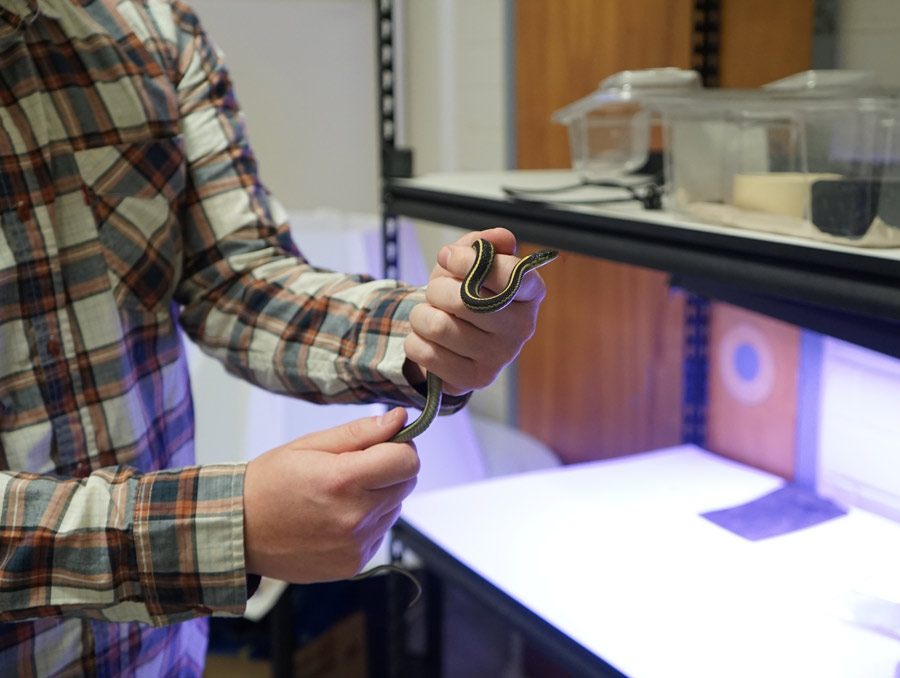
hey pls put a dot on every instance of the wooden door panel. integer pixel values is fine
(602, 375)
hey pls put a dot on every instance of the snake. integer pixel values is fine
(470, 293)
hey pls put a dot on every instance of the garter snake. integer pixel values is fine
(471, 298)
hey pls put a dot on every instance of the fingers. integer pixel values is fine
(312, 515)
(443, 294)
(379, 531)
(445, 332)
(468, 349)
(382, 466)
(385, 523)
(458, 373)
(503, 240)
(358, 434)
(504, 243)
(366, 460)
(464, 354)
(457, 260)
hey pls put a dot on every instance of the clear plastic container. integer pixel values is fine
(822, 166)
(610, 129)
(816, 155)
(820, 79)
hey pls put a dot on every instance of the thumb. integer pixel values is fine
(351, 436)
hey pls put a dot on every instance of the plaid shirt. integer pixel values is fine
(130, 205)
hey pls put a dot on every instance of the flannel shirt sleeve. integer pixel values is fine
(249, 298)
(127, 570)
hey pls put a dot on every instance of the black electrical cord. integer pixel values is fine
(648, 194)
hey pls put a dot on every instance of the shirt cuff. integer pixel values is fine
(189, 542)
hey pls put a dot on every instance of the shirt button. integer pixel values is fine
(82, 469)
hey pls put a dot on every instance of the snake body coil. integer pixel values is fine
(470, 294)
(469, 291)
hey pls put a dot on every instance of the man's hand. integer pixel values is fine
(317, 508)
(465, 349)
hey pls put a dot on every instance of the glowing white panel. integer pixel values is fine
(859, 428)
(615, 555)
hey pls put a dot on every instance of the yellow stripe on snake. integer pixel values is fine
(470, 294)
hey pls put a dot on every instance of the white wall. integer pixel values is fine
(869, 38)
(454, 59)
(304, 73)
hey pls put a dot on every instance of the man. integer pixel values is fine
(130, 205)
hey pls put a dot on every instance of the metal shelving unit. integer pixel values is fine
(850, 293)
(847, 293)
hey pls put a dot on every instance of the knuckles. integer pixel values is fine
(351, 523)
(412, 464)
(419, 351)
(436, 327)
(340, 483)
(357, 429)
(484, 375)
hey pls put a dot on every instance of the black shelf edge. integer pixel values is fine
(878, 334)
(818, 281)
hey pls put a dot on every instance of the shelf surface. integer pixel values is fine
(863, 283)
(615, 556)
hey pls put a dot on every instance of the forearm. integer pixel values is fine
(325, 337)
(121, 546)
(248, 296)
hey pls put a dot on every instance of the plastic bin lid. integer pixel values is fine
(652, 78)
(813, 91)
(823, 78)
(630, 86)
